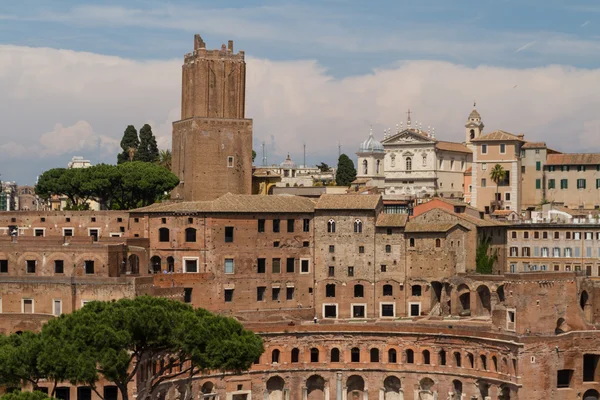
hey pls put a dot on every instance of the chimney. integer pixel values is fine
(521, 136)
(230, 46)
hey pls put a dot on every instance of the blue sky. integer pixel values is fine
(75, 73)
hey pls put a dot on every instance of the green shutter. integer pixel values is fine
(538, 183)
(538, 166)
(550, 183)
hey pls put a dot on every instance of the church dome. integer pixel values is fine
(474, 114)
(371, 145)
(288, 163)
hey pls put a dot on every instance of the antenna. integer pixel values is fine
(264, 154)
(304, 161)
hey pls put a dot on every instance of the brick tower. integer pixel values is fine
(212, 143)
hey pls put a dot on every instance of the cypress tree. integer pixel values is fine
(345, 171)
(129, 143)
(148, 149)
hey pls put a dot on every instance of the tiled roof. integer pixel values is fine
(498, 135)
(469, 170)
(236, 203)
(348, 202)
(416, 227)
(534, 145)
(455, 202)
(573, 159)
(468, 218)
(391, 220)
(503, 212)
(451, 146)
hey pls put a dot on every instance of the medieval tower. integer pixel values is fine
(212, 143)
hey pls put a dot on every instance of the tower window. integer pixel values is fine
(230, 162)
(408, 163)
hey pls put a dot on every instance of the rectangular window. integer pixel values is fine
(350, 271)
(4, 266)
(289, 265)
(230, 162)
(590, 367)
(556, 235)
(190, 265)
(510, 320)
(228, 294)
(28, 306)
(289, 293)
(261, 265)
(383, 268)
(275, 293)
(290, 225)
(228, 234)
(89, 267)
(388, 310)
(304, 266)
(536, 234)
(260, 293)
(31, 266)
(597, 183)
(484, 149)
(94, 233)
(306, 225)
(331, 271)
(580, 183)
(415, 309)
(564, 183)
(551, 184)
(67, 231)
(57, 307)
(513, 268)
(187, 295)
(483, 182)
(502, 148)
(564, 168)
(229, 266)
(563, 378)
(538, 165)
(507, 196)
(538, 183)
(361, 249)
(38, 232)
(276, 223)
(581, 168)
(261, 225)
(59, 267)
(330, 310)
(358, 311)
(484, 166)
(331, 248)
(276, 265)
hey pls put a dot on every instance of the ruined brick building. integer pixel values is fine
(353, 303)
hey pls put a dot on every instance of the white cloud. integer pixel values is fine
(59, 103)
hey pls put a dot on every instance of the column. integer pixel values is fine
(381, 394)
(345, 393)
(366, 393)
(266, 395)
(326, 390)
(338, 386)
(304, 393)
(454, 302)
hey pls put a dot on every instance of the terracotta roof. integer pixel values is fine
(503, 212)
(455, 202)
(348, 202)
(573, 159)
(479, 222)
(391, 220)
(243, 203)
(498, 135)
(418, 227)
(360, 180)
(469, 170)
(452, 146)
(534, 145)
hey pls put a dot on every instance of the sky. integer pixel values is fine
(75, 73)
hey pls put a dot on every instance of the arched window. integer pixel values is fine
(472, 134)
(163, 235)
(190, 235)
(495, 363)
(314, 355)
(408, 163)
(424, 160)
(377, 164)
(374, 355)
(156, 264)
(410, 356)
(426, 357)
(355, 354)
(358, 226)
(457, 359)
(359, 291)
(471, 361)
(442, 357)
(275, 356)
(388, 290)
(365, 167)
(393, 160)
(483, 362)
(170, 264)
(335, 355)
(438, 243)
(295, 355)
(331, 226)
(392, 356)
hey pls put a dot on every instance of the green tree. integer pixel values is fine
(141, 184)
(129, 145)
(72, 183)
(497, 174)
(346, 172)
(147, 150)
(253, 155)
(323, 167)
(484, 260)
(165, 159)
(115, 338)
(18, 359)
(35, 395)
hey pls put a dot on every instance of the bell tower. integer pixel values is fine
(473, 127)
(212, 143)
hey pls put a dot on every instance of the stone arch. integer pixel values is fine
(464, 300)
(561, 326)
(591, 394)
(156, 263)
(275, 386)
(207, 388)
(133, 264)
(457, 390)
(315, 388)
(426, 389)
(484, 389)
(392, 388)
(355, 387)
(505, 393)
(500, 293)
(484, 301)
